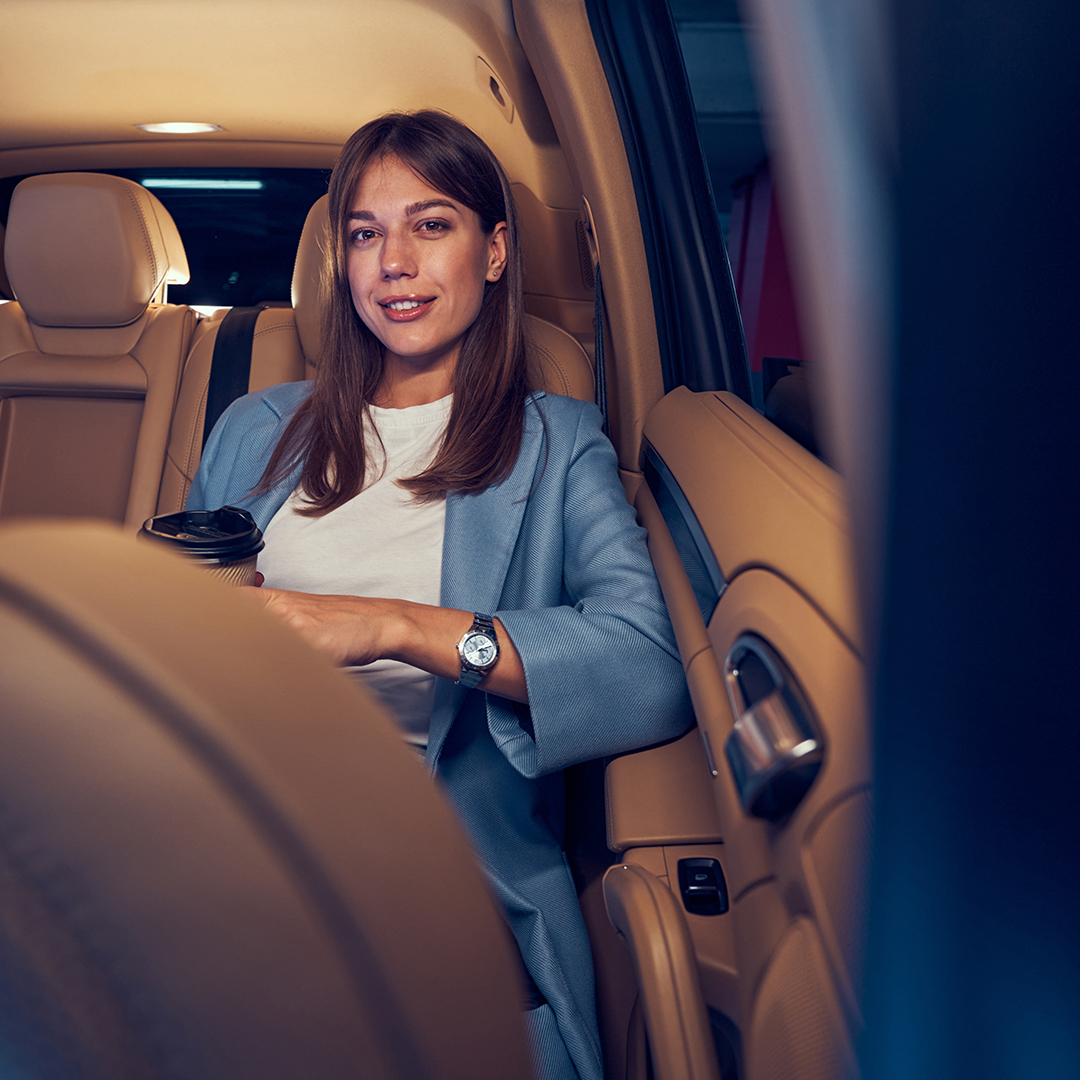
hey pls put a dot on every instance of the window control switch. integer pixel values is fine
(702, 885)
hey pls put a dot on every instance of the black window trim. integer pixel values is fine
(696, 554)
(697, 314)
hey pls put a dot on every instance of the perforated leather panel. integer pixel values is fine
(837, 862)
(796, 1032)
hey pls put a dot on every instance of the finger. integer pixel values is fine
(258, 595)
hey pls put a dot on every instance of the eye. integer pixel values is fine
(361, 236)
(433, 227)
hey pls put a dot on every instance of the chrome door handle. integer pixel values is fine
(776, 748)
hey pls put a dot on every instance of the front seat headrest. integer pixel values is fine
(89, 249)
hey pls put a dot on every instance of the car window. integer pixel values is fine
(717, 50)
(240, 227)
(699, 333)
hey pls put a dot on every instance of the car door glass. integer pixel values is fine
(715, 51)
(718, 50)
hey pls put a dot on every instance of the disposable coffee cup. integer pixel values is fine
(225, 542)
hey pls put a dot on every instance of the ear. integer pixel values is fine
(497, 252)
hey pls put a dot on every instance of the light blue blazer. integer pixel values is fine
(556, 554)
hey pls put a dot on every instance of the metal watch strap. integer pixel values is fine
(471, 675)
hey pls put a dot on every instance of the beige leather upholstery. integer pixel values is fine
(650, 920)
(88, 249)
(557, 362)
(784, 963)
(286, 348)
(224, 861)
(307, 276)
(5, 285)
(89, 360)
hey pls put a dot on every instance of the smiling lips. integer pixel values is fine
(405, 308)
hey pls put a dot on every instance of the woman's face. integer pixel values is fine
(417, 264)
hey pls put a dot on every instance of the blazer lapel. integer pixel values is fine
(478, 542)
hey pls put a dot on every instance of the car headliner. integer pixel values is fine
(287, 82)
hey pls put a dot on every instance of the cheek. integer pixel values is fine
(472, 273)
(358, 285)
(358, 292)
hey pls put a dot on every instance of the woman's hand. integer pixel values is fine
(348, 629)
(361, 629)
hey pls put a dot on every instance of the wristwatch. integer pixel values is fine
(478, 649)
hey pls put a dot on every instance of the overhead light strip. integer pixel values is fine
(177, 183)
(179, 127)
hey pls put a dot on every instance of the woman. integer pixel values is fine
(462, 541)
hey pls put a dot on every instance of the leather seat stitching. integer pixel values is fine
(146, 231)
(199, 415)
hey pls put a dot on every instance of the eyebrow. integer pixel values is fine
(412, 208)
(420, 207)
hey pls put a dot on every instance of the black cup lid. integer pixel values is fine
(228, 533)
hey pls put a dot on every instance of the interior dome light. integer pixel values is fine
(179, 128)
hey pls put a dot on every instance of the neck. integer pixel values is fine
(403, 386)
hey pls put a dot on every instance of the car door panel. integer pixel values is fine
(713, 941)
(748, 532)
(644, 911)
(798, 857)
(662, 796)
(754, 491)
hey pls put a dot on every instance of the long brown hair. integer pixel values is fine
(483, 434)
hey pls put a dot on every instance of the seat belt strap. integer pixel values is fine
(230, 366)
(598, 337)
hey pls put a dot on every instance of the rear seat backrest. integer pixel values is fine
(286, 346)
(90, 357)
(5, 285)
(284, 349)
(557, 363)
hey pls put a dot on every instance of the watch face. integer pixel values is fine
(479, 650)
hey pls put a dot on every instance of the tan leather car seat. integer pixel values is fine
(286, 348)
(217, 857)
(90, 355)
(5, 285)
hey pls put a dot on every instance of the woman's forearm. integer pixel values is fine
(359, 630)
(428, 639)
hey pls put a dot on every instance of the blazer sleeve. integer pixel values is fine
(210, 481)
(603, 670)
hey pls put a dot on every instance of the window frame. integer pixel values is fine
(699, 327)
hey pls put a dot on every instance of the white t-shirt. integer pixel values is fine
(379, 543)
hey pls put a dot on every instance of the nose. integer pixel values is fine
(397, 257)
